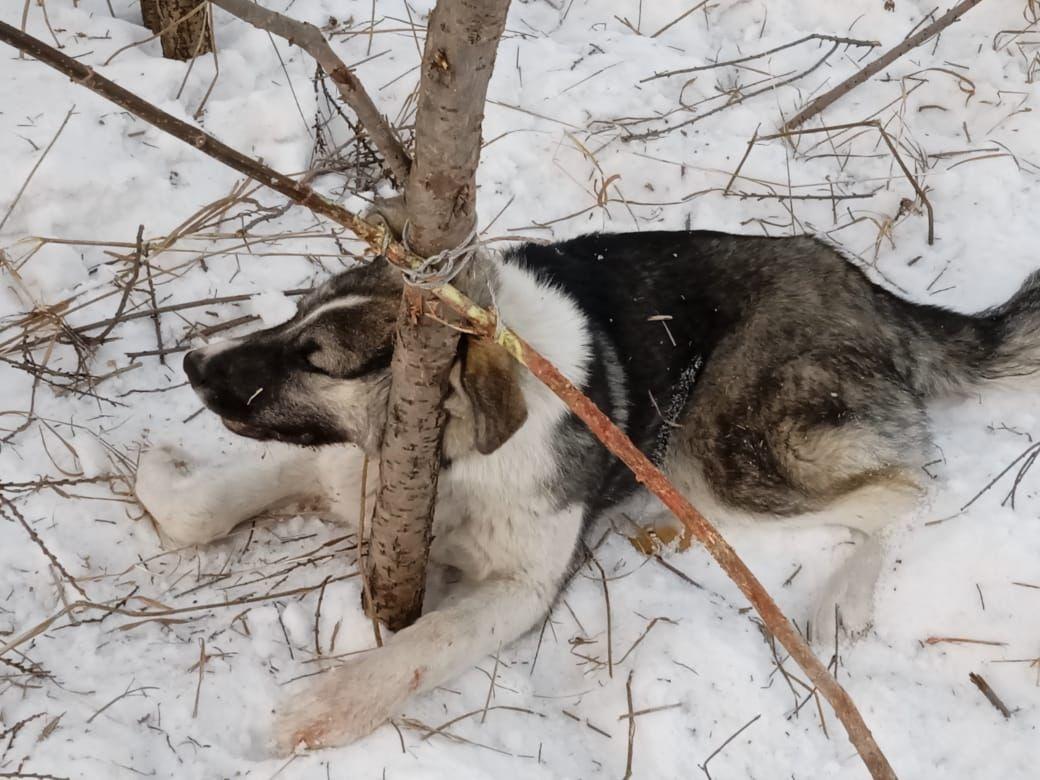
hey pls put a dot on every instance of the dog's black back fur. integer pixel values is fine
(810, 379)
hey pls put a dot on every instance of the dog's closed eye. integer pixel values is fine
(321, 359)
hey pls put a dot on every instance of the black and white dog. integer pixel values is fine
(767, 376)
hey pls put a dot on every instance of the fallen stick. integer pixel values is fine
(487, 324)
(882, 62)
(979, 682)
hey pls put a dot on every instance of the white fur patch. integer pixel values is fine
(343, 302)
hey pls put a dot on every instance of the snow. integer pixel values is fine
(567, 73)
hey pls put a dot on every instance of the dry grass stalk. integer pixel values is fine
(738, 94)
(610, 622)
(870, 123)
(36, 165)
(631, 727)
(77, 606)
(720, 748)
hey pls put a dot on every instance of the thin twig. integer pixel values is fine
(491, 686)
(123, 695)
(610, 630)
(679, 18)
(979, 682)
(39, 628)
(774, 50)
(20, 518)
(155, 307)
(135, 271)
(631, 726)
(720, 748)
(202, 671)
(882, 62)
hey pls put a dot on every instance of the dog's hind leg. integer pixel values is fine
(864, 475)
(836, 437)
(847, 599)
(196, 502)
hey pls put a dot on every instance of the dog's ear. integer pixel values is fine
(487, 386)
(390, 211)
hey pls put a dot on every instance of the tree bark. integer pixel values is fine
(183, 39)
(461, 42)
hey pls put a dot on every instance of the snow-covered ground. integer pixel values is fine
(109, 696)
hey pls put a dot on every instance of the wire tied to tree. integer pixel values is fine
(442, 267)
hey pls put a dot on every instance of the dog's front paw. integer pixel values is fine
(176, 491)
(339, 707)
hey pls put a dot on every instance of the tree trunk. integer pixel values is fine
(462, 38)
(184, 39)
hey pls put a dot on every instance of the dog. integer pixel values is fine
(767, 377)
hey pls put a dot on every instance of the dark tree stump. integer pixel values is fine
(181, 41)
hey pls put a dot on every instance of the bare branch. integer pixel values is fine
(882, 62)
(309, 38)
(766, 53)
(735, 98)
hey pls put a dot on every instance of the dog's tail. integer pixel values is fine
(955, 352)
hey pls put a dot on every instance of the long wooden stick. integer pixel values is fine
(882, 62)
(612, 437)
(309, 38)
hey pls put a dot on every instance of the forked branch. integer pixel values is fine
(486, 323)
(309, 38)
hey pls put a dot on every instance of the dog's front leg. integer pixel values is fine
(194, 501)
(527, 557)
(350, 701)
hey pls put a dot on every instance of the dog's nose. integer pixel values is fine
(193, 367)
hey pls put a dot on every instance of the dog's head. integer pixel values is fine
(323, 377)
